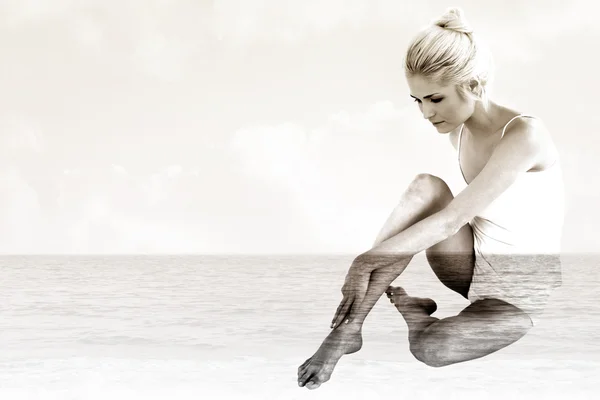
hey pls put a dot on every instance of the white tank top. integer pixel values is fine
(527, 217)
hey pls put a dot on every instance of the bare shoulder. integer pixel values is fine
(530, 128)
(533, 134)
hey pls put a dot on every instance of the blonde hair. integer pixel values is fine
(448, 52)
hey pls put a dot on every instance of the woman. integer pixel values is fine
(497, 243)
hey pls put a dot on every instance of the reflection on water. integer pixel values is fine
(145, 327)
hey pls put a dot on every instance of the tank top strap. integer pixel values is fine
(512, 119)
(459, 139)
(503, 131)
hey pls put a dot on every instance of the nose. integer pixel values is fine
(428, 111)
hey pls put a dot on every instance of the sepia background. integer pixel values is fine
(246, 126)
(183, 185)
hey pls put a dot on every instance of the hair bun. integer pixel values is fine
(454, 20)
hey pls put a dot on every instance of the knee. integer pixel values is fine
(431, 188)
(429, 182)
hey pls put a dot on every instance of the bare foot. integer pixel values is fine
(345, 339)
(402, 301)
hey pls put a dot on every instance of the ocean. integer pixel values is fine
(238, 327)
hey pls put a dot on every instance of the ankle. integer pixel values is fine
(352, 326)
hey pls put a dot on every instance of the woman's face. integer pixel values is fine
(443, 106)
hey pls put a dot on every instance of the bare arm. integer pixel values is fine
(400, 218)
(518, 151)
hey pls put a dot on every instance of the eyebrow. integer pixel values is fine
(426, 97)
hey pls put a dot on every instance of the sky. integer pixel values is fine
(258, 126)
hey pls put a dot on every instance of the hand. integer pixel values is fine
(354, 290)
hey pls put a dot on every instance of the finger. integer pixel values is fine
(339, 314)
(355, 308)
(343, 313)
(351, 311)
(339, 310)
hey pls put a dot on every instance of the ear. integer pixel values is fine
(476, 87)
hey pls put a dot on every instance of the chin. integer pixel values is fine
(444, 129)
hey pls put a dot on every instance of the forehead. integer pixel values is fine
(421, 87)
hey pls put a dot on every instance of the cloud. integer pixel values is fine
(164, 39)
(561, 19)
(290, 21)
(20, 135)
(272, 151)
(23, 149)
(88, 31)
(19, 211)
(18, 12)
(158, 38)
(162, 57)
(119, 170)
(244, 23)
(326, 168)
(104, 210)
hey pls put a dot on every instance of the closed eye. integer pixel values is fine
(432, 100)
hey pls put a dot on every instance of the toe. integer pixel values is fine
(398, 291)
(303, 366)
(392, 290)
(304, 377)
(312, 385)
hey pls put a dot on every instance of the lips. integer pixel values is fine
(437, 123)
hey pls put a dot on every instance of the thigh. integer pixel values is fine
(523, 280)
(482, 328)
(453, 259)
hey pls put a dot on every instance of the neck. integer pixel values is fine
(484, 122)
